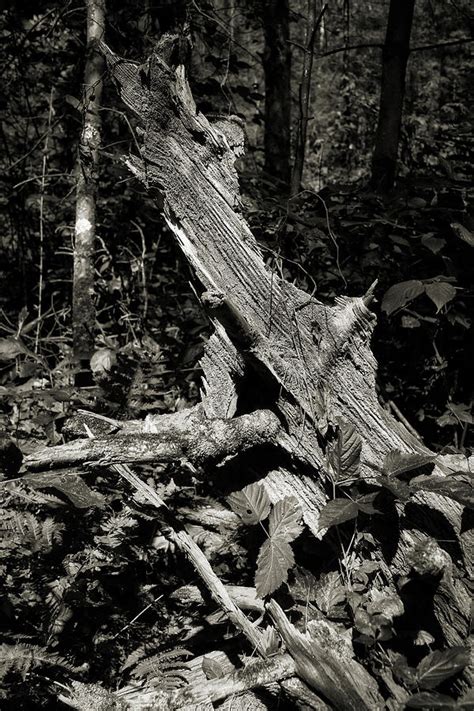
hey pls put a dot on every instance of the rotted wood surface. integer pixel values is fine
(244, 597)
(328, 665)
(316, 357)
(187, 436)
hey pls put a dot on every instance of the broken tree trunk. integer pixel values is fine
(314, 361)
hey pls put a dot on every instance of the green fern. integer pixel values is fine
(116, 529)
(60, 613)
(25, 529)
(22, 658)
(166, 669)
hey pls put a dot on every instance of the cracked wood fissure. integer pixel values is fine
(318, 355)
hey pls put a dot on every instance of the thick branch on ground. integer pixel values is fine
(326, 663)
(244, 597)
(254, 675)
(187, 436)
(199, 692)
(216, 588)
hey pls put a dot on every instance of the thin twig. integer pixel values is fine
(142, 612)
(379, 45)
(41, 221)
(403, 419)
(313, 23)
(142, 268)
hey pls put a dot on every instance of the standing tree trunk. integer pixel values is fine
(88, 161)
(312, 25)
(395, 56)
(277, 67)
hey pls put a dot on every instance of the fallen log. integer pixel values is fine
(187, 436)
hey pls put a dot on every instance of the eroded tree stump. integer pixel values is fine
(313, 362)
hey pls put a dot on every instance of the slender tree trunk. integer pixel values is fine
(277, 67)
(88, 161)
(312, 24)
(395, 56)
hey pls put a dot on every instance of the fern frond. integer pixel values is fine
(57, 588)
(50, 531)
(61, 615)
(168, 669)
(29, 531)
(118, 523)
(21, 658)
(115, 529)
(35, 496)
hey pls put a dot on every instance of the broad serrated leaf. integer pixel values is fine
(403, 671)
(72, 101)
(461, 411)
(459, 487)
(336, 512)
(274, 561)
(410, 322)
(384, 603)
(304, 587)
(366, 504)
(430, 700)
(10, 348)
(423, 638)
(70, 484)
(399, 489)
(330, 592)
(438, 666)
(434, 244)
(212, 669)
(396, 462)
(251, 503)
(285, 519)
(455, 413)
(440, 293)
(103, 361)
(463, 233)
(344, 454)
(400, 294)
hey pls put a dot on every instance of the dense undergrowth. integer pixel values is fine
(89, 578)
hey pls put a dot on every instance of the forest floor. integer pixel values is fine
(88, 575)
